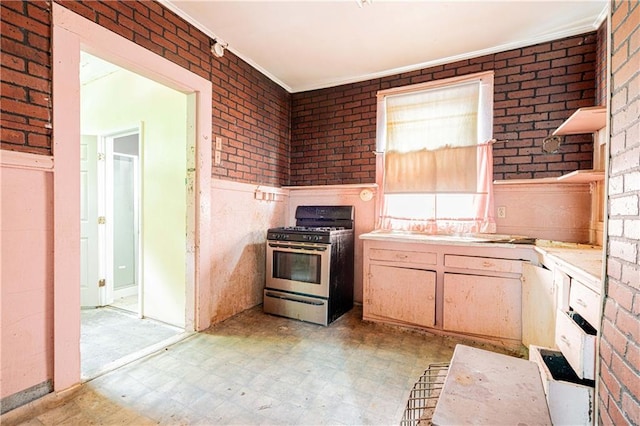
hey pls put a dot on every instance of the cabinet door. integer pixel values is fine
(538, 306)
(402, 294)
(487, 306)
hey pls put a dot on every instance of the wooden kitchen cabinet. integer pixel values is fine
(576, 339)
(469, 290)
(586, 302)
(482, 305)
(389, 296)
(568, 372)
(539, 304)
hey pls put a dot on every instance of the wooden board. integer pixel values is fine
(538, 306)
(486, 388)
(584, 120)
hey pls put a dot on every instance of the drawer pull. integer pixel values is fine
(565, 340)
(581, 303)
(401, 256)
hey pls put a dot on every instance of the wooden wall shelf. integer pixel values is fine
(584, 120)
(582, 176)
(577, 176)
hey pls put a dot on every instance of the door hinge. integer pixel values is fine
(101, 156)
(102, 220)
(102, 282)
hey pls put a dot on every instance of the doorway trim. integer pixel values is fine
(71, 33)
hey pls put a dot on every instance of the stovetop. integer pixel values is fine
(317, 229)
(318, 224)
(315, 234)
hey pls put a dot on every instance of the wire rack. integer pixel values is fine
(424, 396)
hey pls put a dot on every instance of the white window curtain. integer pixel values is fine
(438, 163)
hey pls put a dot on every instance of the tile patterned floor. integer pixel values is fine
(108, 334)
(260, 369)
(128, 303)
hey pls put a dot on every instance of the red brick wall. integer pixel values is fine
(536, 88)
(25, 74)
(619, 392)
(250, 112)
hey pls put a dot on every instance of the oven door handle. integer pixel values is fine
(297, 247)
(294, 299)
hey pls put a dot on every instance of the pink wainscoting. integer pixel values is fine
(27, 274)
(240, 216)
(340, 195)
(550, 211)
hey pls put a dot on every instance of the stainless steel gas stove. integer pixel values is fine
(310, 265)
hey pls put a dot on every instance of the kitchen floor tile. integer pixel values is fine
(261, 369)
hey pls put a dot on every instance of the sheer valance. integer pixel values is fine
(438, 161)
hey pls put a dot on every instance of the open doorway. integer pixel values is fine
(110, 220)
(133, 222)
(71, 35)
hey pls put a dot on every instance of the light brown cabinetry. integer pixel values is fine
(539, 304)
(488, 306)
(568, 373)
(472, 290)
(388, 296)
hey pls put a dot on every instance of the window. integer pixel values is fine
(436, 172)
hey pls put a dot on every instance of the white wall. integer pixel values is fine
(121, 101)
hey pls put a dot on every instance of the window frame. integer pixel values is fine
(485, 117)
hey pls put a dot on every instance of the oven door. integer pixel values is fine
(298, 267)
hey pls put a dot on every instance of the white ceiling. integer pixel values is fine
(305, 45)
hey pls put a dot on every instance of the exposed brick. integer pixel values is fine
(628, 325)
(624, 206)
(623, 270)
(631, 407)
(631, 275)
(613, 385)
(623, 372)
(605, 353)
(613, 414)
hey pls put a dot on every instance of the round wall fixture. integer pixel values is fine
(217, 48)
(552, 144)
(366, 194)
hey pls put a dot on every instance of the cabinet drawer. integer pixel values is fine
(569, 398)
(577, 341)
(586, 302)
(404, 256)
(483, 263)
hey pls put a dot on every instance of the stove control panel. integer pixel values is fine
(312, 238)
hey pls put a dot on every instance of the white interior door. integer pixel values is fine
(89, 277)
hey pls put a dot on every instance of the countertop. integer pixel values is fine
(580, 258)
(583, 259)
(467, 239)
